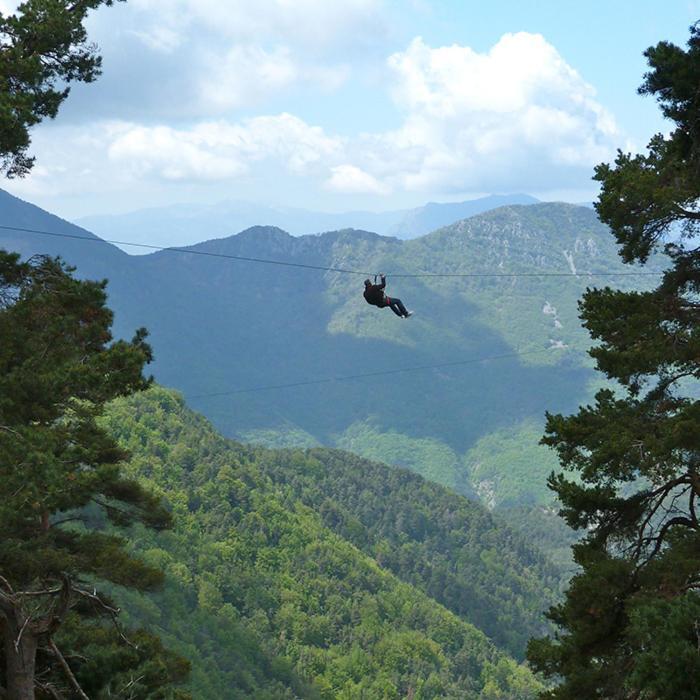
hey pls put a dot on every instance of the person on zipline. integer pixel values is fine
(374, 294)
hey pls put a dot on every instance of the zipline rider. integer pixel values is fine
(374, 295)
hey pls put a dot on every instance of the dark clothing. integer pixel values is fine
(397, 306)
(374, 294)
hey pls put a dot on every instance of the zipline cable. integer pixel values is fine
(284, 263)
(185, 250)
(380, 373)
(350, 377)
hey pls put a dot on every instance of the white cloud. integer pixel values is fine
(352, 180)
(221, 150)
(115, 164)
(246, 75)
(171, 154)
(202, 59)
(297, 144)
(520, 69)
(160, 39)
(516, 117)
(299, 22)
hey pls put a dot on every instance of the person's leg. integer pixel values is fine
(397, 307)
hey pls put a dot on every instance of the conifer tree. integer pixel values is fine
(61, 483)
(630, 624)
(43, 48)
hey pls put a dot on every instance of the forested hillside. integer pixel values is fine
(449, 547)
(332, 503)
(274, 592)
(218, 325)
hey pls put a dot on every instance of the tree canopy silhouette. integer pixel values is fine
(43, 48)
(61, 483)
(628, 626)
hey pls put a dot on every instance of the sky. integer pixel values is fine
(350, 104)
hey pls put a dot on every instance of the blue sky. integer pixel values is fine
(372, 104)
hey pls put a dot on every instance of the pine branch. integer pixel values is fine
(7, 605)
(691, 507)
(79, 518)
(112, 612)
(129, 684)
(686, 213)
(35, 594)
(662, 533)
(662, 387)
(21, 632)
(662, 491)
(66, 668)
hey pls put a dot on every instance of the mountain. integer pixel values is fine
(224, 330)
(422, 220)
(15, 212)
(185, 224)
(274, 590)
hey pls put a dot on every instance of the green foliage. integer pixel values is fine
(61, 477)
(644, 195)
(505, 681)
(428, 457)
(43, 47)
(628, 626)
(509, 467)
(272, 599)
(447, 546)
(544, 526)
(328, 330)
(141, 669)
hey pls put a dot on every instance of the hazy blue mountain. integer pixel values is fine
(225, 326)
(422, 220)
(185, 224)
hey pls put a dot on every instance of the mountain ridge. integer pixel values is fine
(225, 325)
(184, 225)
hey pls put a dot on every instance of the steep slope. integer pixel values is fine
(95, 258)
(268, 602)
(225, 326)
(449, 547)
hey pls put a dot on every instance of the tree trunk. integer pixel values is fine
(20, 657)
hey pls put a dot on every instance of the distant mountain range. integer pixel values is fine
(185, 224)
(223, 331)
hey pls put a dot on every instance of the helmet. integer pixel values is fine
(368, 283)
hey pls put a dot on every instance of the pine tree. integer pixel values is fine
(630, 623)
(60, 479)
(43, 48)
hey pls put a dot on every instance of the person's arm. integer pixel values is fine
(383, 283)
